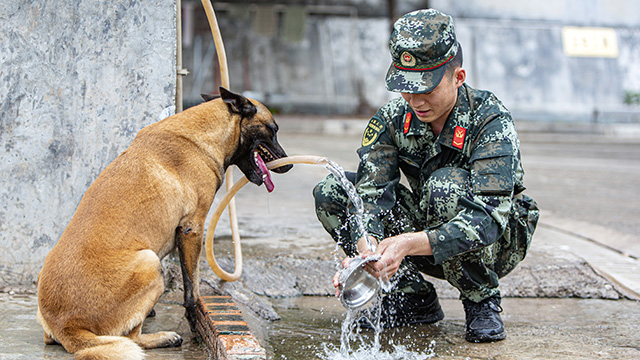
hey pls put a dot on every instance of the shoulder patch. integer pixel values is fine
(373, 130)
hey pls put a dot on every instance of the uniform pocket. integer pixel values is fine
(492, 170)
(514, 245)
(523, 223)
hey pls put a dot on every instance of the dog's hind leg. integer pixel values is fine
(144, 302)
(47, 337)
(48, 340)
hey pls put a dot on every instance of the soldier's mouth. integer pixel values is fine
(422, 113)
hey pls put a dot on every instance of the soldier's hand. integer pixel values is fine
(366, 248)
(336, 277)
(391, 251)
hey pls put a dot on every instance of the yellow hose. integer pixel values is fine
(232, 190)
(208, 246)
(224, 82)
(217, 39)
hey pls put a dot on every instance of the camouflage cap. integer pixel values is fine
(421, 44)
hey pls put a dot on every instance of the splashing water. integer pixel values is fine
(365, 352)
(350, 326)
(355, 199)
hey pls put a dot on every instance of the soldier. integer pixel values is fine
(464, 217)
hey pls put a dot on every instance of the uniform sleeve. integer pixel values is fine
(377, 177)
(484, 212)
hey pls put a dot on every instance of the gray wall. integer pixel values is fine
(332, 64)
(570, 12)
(339, 63)
(515, 49)
(78, 79)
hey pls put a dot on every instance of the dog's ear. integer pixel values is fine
(237, 103)
(209, 97)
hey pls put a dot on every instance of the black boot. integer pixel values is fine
(402, 309)
(483, 320)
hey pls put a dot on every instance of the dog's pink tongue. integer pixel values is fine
(268, 183)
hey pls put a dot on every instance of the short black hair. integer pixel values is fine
(455, 62)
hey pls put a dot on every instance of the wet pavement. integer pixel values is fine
(536, 329)
(586, 248)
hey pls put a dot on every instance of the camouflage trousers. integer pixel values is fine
(474, 273)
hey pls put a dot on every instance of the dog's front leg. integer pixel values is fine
(189, 243)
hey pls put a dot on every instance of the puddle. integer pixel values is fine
(311, 329)
(537, 328)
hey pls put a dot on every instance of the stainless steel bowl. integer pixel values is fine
(357, 287)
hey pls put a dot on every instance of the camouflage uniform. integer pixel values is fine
(465, 191)
(465, 184)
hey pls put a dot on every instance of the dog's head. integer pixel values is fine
(258, 142)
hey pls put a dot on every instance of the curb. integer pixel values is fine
(222, 328)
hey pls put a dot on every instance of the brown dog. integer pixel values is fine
(104, 275)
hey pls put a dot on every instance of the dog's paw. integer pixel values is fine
(160, 339)
(173, 339)
(152, 313)
(170, 339)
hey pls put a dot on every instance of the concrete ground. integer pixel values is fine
(574, 297)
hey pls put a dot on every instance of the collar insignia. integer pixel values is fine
(407, 123)
(458, 137)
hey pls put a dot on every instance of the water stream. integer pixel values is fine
(355, 199)
(367, 347)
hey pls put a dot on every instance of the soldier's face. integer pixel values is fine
(434, 107)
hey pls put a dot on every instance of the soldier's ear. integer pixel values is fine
(237, 103)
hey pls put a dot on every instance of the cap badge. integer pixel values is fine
(407, 59)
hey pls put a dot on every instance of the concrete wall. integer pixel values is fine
(570, 12)
(525, 65)
(334, 67)
(78, 79)
(339, 63)
(516, 50)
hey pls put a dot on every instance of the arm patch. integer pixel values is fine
(372, 132)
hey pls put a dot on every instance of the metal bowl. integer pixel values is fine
(357, 287)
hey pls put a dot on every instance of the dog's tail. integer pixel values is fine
(107, 348)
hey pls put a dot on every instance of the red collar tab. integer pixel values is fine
(407, 123)
(458, 137)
